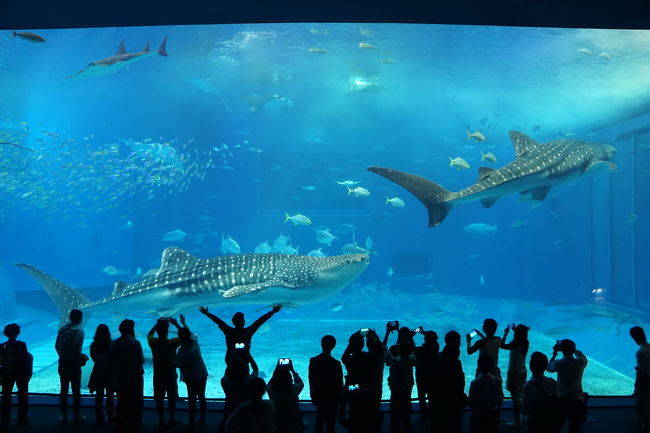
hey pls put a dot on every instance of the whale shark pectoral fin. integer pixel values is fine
(522, 143)
(287, 305)
(599, 165)
(535, 194)
(488, 202)
(245, 289)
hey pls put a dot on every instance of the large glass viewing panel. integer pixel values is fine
(117, 143)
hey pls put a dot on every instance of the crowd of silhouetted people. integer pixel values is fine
(352, 400)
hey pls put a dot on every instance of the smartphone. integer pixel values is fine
(353, 387)
(284, 361)
(473, 334)
(364, 331)
(417, 330)
(240, 345)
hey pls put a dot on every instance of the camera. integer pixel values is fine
(473, 334)
(393, 325)
(240, 345)
(284, 361)
(353, 387)
(418, 330)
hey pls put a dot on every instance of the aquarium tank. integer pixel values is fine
(464, 172)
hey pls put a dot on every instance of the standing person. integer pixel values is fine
(325, 385)
(642, 383)
(163, 352)
(400, 360)
(516, 375)
(126, 361)
(15, 369)
(540, 398)
(233, 384)
(426, 358)
(485, 398)
(569, 371)
(193, 372)
(362, 393)
(69, 341)
(448, 398)
(257, 415)
(488, 343)
(284, 390)
(101, 379)
(239, 335)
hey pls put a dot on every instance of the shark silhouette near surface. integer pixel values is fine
(120, 60)
(186, 282)
(536, 168)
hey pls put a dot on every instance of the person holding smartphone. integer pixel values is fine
(570, 369)
(516, 375)
(363, 382)
(284, 390)
(400, 360)
(488, 343)
(193, 372)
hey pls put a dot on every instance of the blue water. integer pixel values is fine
(173, 143)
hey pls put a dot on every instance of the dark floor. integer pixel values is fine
(43, 414)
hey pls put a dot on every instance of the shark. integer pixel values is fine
(537, 168)
(185, 282)
(120, 60)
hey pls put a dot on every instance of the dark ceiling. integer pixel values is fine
(33, 14)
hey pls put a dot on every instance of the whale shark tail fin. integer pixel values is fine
(64, 297)
(433, 196)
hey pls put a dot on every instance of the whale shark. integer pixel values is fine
(185, 282)
(537, 167)
(120, 60)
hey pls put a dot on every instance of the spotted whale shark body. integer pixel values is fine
(184, 282)
(120, 60)
(536, 168)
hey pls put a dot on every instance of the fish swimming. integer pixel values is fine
(185, 282)
(458, 162)
(297, 219)
(476, 135)
(28, 36)
(489, 156)
(316, 253)
(325, 237)
(229, 245)
(263, 248)
(359, 191)
(120, 60)
(280, 242)
(395, 201)
(480, 229)
(174, 236)
(16, 145)
(536, 168)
